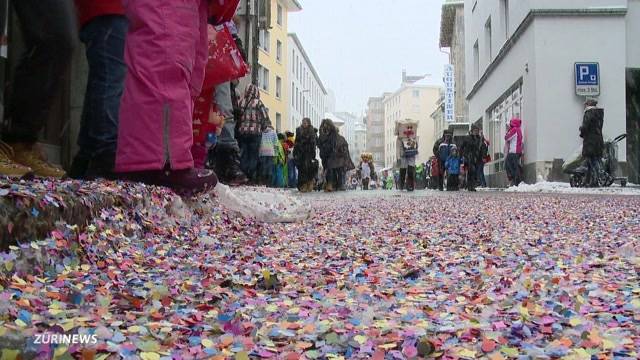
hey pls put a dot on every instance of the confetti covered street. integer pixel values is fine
(372, 275)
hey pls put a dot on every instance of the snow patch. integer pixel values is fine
(565, 188)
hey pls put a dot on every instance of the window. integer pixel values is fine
(280, 15)
(293, 61)
(487, 40)
(278, 122)
(278, 87)
(264, 40)
(416, 93)
(279, 51)
(293, 91)
(263, 78)
(476, 61)
(505, 10)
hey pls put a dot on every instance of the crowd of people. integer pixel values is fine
(160, 106)
(160, 109)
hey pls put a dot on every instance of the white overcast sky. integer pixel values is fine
(359, 47)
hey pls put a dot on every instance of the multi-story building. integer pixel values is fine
(272, 69)
(375, 129)
(452, 38)
(416, 102)
(307, 94)
(523, 60)
(360, 141)
(348, 130)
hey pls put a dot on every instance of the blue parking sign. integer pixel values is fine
(587, 79)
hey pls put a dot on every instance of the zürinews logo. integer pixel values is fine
(64, 339)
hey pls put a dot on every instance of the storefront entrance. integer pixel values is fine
(633, 125)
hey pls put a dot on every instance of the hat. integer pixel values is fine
(289, 134)
(475, 127)
(591, 101)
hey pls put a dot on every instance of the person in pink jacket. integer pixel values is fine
(165, 54)
(513, 149)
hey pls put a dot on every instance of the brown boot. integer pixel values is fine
(27, 155)
(8, 167)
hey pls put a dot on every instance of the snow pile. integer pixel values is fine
(565, 188)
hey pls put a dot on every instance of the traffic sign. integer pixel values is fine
(588, 79)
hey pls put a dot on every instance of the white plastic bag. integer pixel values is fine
(262, 204)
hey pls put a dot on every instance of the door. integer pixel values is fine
(633, 124)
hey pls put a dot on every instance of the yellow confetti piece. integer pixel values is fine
(85, 267)
(102, 356)
(607, 344)
(149, 356)
(20, 323)
(513, 352)
(271, 308)
(207, 343)
(466, 353)
(133, 329)
(242, 355)
(360, 339)
(60, 351)
(575, 322)
(8, 265)
(388, 346)
(9, 354)
(55, 311)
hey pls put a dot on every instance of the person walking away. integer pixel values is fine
(513, 149)
(441, 150)
(48, 28)
(268, 151)
(366, 175)
(253, 122)
(486, 158)
(304, 155)
(453, 165)
(327, 143)
(165, 53)
(279, 173)
(103, 28)
(472, 153)
(592, 141)
(343, 162)
(290, 142)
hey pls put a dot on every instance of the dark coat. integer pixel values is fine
(327, 142)
(304, 153)
(591, 133)
(473, 149)
(342, 157)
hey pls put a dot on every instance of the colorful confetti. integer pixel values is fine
(451, 276)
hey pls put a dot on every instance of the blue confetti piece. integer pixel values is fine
(25, 316)
(35, 212)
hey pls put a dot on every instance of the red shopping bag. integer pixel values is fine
(223, 11)
(205, 118)
(225, 62)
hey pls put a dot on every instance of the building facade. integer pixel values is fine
(416, 102)
(307, 94)
(375, 123)
(360, 141)
(272, 69)
(452, 38)
(521, 60)
(348, 130)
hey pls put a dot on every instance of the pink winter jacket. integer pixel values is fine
(513, 138)
(166, 52)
